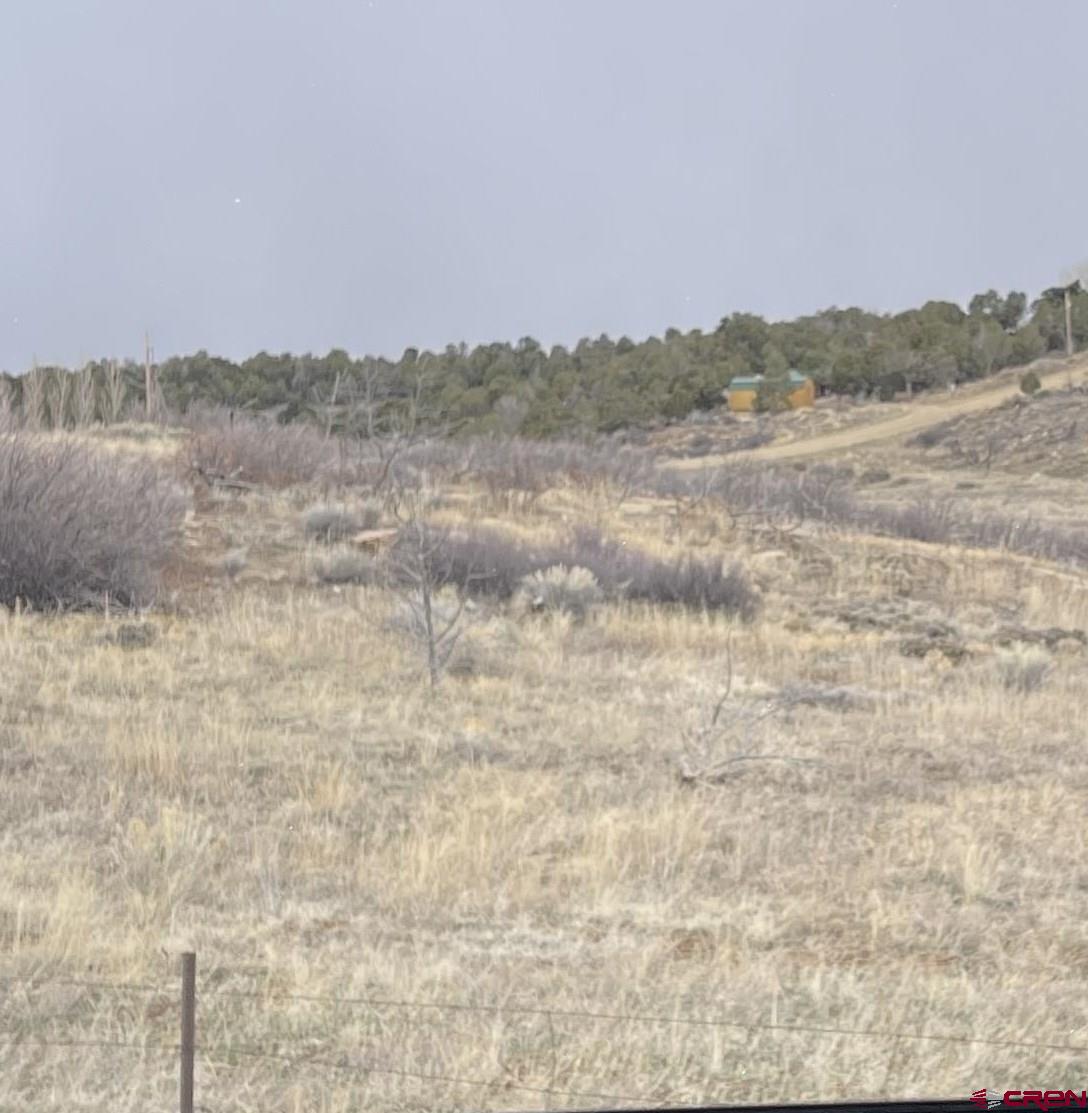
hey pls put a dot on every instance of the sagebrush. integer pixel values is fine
(78, 526)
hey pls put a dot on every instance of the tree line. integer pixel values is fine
(598, 385)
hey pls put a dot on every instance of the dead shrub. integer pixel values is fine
(78, 525)
(699, 584)
(561, 589)
(348, 566)
(481, 561)
(330, 524)
(1023, 668)
(131, 635)
(261, 452)
(933, 436)
(516, 472)
(822, 494)
(487, 562)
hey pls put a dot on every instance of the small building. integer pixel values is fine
(743, 390)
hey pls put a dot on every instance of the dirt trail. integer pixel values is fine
(908, 418)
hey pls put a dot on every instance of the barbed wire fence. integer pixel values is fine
(228, 1055)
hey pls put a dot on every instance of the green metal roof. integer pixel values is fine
(751, 382)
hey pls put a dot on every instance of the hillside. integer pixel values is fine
(834, 430)
(831, 811)
(1046, 434)
(597, 385)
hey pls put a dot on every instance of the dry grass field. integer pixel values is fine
(878, 843)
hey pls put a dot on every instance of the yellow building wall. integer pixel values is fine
(804, 395)
(744, 401)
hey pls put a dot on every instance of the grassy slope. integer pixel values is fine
(271, 783)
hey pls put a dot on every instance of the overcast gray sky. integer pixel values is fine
(240, 175)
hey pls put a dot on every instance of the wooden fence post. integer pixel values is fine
(188, 1029)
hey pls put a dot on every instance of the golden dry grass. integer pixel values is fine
(271, 783)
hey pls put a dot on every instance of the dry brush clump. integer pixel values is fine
(489, 562)
(348, 566)
(1023, 668)
(823, 495)
(330, 524)
(249, 450)
(946, 521)
(78, 525)
(513, 471)
(561, 589)
(532, 467)
(697, 583)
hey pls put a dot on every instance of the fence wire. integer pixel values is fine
(221, 1056)
(378, 1003)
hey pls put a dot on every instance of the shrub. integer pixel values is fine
(132, 635)
(487, 562)
(1023, 668)
(696, 584)
(572, 591)
(77, 524)
(932, 520)
(931, 437)
(683, 581)
(481, 562)
(751, 441)
(346, 566)
(334, 523)
(772, 395)
(822, 493)
(256, 451)
(1030, 383)
(235, 562)
(532, 467)
(408, 619)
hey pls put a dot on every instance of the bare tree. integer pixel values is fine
(369, 397)
(115, 393)
(35, 411)
(326, 407)
(697, 490)
(390, 427)
(158, 403)
(8, 419)
(84, 401)
(58, 394)
(418, 573)
(716, 750)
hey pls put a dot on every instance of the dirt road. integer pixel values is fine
(907, 418)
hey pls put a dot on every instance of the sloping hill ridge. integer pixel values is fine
(1042, 435)
(908, 419)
